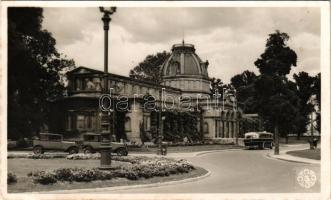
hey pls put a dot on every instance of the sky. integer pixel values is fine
(230, 38)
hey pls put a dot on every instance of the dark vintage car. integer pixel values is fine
(54, 142)
(258, 140)
(91, 143)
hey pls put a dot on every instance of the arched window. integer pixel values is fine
(147, 122)
(127, 124)
(78, 84)
(205, 128)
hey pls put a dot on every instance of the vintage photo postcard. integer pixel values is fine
(165, 100)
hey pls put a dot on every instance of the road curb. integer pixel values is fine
(294, 159)
(213, 151)
(118, 188)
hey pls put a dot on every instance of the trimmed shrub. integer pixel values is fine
(44, 177)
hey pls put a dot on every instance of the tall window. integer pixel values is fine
(127, 124)
(78, 84)
(97, 83)
(80, 122)
(86, 121)
(217, 128)
(147, 123)
(205, 128)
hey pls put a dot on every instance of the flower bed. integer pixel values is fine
(96, 156)
(139, 167)
(81, 156)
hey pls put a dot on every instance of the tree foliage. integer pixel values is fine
(150, 68)
(217, 86)
(244, 85)
(304, 90)
(317, 93)
(34, 67)
(178, 125)
(276, 102)
(278, 58)
(244, 79)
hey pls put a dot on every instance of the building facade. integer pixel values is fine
(185, 88)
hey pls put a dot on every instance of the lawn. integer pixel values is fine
(307, 153)
(21, 167)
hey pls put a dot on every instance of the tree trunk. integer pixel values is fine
(276, 139)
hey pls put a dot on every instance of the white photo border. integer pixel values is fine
(325, 108)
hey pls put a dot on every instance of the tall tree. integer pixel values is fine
(244, 79)
(317, 93)
(33, 71)
(244, 85)
(150, 68)
(216, 84)
(276, 102)
(304, 89)
(278, 58)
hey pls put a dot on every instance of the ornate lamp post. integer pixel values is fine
(159, 131)
(105, 151)
(161, 148)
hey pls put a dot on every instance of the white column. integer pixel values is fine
(136, 116)
(234, 129)
(226, 129)
(230, 129)
(221, 129)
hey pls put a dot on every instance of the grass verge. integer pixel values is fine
(307, 153)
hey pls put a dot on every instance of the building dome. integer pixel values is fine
(184, 62)
(185, 70)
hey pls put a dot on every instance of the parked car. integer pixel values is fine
(91, 143)
(258, 140)
(11, 144)
(49, 141)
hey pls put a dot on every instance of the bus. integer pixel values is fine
(258, 140)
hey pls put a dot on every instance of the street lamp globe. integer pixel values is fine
(106, 16)
(107, 10)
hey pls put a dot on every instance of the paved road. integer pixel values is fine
(240, 171)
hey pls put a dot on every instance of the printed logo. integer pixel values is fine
(306, 178)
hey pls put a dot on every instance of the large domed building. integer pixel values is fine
(184, 74)
(186, 71)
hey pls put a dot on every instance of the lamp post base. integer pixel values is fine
(106, 167)
(105, 156)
